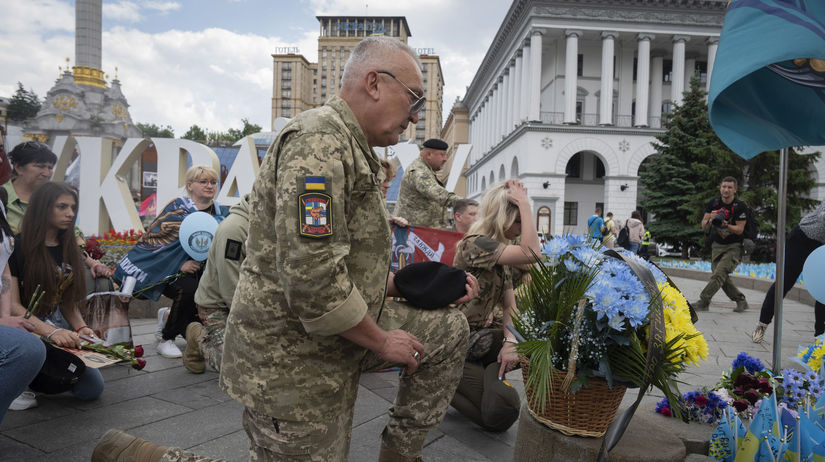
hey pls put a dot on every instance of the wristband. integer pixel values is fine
(81, 328)
(49, 337)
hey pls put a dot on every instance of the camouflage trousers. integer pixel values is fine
(179, 455)
(211, 343)
(419, 406)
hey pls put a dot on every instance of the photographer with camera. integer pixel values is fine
(725, 216)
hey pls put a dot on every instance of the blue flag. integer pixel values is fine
(765, 91)
(722, 442)
(158, 253)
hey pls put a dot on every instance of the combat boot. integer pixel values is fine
(741, 305)
(700, 305)
(192, 357)
(388, 455)
(119, 446)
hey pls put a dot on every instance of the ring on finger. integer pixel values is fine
(416, 355)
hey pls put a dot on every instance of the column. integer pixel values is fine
(571, 72)
(519, 89)
(526, 74)
(606, 90)
(713, 43)
(495, 113)
(534, 100)
(489, 124)
(625, 87)
(677, 84)
(690, 67)
(505, 104)
(642, 79)
(511, 97)
(656, 77)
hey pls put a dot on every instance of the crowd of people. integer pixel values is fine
(296, 298)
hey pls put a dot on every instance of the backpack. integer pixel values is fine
(624, 238)
(752, 225)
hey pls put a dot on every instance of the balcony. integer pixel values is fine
(592, 120)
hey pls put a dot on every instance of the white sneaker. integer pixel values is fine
(168, 349)
(162, 313)
(26, 400)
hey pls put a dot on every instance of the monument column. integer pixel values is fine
(571, 71)
(606, 90)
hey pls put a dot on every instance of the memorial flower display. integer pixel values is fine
(112, 246)
(586, 314)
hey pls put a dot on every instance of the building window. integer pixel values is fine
(573, 169)
(286, 93)
(286, 113)
(286, 75)
(286, 66)
(580, 65)
(579, 110)
(286, 85)
(667, 70)
(598, 167)
(571, 213)
(323, 82)
(702, 69)
(286, 103)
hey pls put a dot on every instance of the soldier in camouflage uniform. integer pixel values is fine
(488, 252)
(204, 340)
(308, 314)
(422, 198)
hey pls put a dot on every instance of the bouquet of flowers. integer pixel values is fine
(120, 351)
(699, 406)
(746, 384)
(811, 356)
(589, 315)
(114, 245)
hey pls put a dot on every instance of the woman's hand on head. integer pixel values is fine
(190, 267)
(516, 192)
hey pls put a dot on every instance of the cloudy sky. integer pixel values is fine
(208, 62)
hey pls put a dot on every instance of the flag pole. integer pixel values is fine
(779, 285)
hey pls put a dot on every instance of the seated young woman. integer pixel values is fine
(487, 252)
(46, 254)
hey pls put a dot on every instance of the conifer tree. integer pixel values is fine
(23, 104)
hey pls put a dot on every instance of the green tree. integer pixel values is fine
(23, 104)
(248, 129)
(685, 174)
(195, 133)
(154, 131)
(761, 183)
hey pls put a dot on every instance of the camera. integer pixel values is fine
(721, 216)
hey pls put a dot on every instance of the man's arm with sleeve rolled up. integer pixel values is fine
(427, 186)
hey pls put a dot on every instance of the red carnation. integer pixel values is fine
(666, 412)
(138, 351)
(701, 400)
(752, 396)
(139, 364)
(741, 405)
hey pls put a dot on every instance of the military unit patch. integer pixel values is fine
(233, 250)
(315, 215)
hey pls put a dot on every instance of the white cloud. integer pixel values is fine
(124, 11)
(163, 7)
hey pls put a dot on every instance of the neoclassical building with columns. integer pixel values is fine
(571, 93)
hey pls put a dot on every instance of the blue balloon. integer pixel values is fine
(196, 233)
(813, 273)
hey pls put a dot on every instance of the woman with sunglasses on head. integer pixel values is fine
(489, 253)
(158, 257)
(46, 254)
(33, 165)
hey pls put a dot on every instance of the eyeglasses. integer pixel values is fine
(205, 182)
(419, 100)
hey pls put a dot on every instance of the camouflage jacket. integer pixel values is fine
(478, 255)
(220, 275)
(422, 199)
(318, 254)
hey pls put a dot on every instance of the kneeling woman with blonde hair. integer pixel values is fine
(489, 254)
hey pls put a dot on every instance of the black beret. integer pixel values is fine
(430, 285)
(435, 143)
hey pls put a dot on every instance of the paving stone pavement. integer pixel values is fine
(170, 406)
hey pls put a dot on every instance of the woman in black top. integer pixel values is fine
(46, 254)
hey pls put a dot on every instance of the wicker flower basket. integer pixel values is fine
(587, 412)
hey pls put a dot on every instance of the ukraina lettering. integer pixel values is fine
(131, 270)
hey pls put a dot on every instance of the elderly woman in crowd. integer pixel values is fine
(162, 266)
(487, 252)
